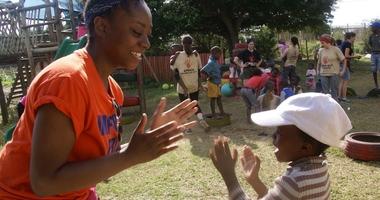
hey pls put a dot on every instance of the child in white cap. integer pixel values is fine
(307, 124)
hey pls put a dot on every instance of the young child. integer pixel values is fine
(287, 90)
(276, 79)
(299, 140)
(268, 100)
(295, 83)
(374, 43)
(310, 77)
(251, 89)
(213, 74)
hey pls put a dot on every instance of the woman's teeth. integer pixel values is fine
(137, 55)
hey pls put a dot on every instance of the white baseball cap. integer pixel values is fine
(316, 114)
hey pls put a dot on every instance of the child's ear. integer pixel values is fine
(307, 147)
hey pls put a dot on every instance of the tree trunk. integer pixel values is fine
(233, 28)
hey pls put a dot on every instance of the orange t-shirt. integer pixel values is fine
(74, 87)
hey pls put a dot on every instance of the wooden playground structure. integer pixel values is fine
(29, 39)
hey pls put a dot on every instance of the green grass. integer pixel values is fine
(188, 173)
(7, 76)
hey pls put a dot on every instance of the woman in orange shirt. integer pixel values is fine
(68, 138)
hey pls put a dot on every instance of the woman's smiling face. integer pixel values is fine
(129, 35)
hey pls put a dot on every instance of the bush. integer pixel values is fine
(265, 42)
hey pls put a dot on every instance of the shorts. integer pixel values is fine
(213, 90)
(375, 62)
(346, 75)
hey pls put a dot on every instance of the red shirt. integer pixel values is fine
(256, 82)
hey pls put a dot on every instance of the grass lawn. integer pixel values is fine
(188, 173)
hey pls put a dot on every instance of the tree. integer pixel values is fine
(227, 17)
(170, 20)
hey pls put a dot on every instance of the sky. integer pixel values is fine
(355, 12)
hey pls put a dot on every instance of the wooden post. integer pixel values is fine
(58, 21)
(150, 68)
(3, 104)
(307, 50)
(73, 24)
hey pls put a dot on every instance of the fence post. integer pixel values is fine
(307, 50)
(3, 104)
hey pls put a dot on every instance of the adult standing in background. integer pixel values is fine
(346, 47)
(329, 58)
(374, 43)
(290, 56)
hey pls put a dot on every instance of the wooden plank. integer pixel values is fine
(49, 22)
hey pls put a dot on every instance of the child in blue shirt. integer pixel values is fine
(212, 71)
(286, 91)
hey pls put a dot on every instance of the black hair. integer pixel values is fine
(256, 71)
(296, 79)
(338, 42)
(318, 147)
(294, 41)
(215, 49)
(275, 69)
(187, 37)
(126, 5)
(250, 40)
(349, 35)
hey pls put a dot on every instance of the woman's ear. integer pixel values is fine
(101, 26)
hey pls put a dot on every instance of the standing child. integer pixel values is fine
(186, 66)
(234, 74)
(213, 74)
(299, 140)
(374, 43)
(310, 77)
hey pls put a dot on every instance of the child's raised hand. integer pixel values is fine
(223, 159)
(251, 165)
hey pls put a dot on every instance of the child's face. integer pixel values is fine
(216, 55)
(289, 143)
(275, 73)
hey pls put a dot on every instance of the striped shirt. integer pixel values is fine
(306, 178)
